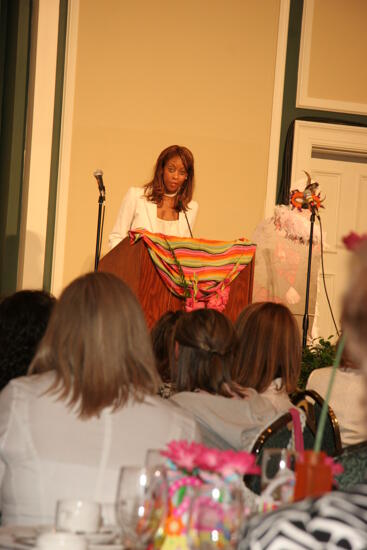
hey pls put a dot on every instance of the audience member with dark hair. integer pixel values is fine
(337, 519)
(87, 407)
(201, 361)
(23, 320)
(268, 356)
(161, 339)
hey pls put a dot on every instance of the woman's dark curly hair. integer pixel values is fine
(23, 320)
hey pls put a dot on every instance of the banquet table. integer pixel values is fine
(24, 538)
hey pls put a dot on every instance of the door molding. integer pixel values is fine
(340, 136)
(344, 185)
(304, 100)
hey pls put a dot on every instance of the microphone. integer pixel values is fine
(309, 200)
(98, 174)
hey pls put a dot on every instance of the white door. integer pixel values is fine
(336, 157)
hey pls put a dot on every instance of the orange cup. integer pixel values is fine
(313, 476)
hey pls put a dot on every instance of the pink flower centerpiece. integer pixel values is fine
(215, 299)
(193, 465)
(199, 461)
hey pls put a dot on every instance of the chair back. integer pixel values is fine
(311, 402)
(277, 435)
(354, 461)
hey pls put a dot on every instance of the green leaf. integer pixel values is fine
(318, 354)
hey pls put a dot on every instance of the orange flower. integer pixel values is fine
(173, 526)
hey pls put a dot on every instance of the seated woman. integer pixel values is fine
(87, 407)
(346, 399)
(230, 416)
(268, 356)
(161, 339)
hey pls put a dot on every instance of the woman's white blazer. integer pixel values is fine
(136, 212)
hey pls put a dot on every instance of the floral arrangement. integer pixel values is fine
(216, 300)
(206, 463)
(298, 198)
(295, 224)
(192, 465)
(294, 219)
(353, 241)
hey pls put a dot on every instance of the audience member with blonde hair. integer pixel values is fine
(201, 360)
(268, 356)
(88, 406)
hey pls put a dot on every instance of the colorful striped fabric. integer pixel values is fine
(196, 268)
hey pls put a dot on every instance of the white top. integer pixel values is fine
(136, 212)
(167, 227)
(346, 400)
(229, 423)
(278, 396)
(50, 454)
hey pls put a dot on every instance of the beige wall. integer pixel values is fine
(150, 74)
(337, 68)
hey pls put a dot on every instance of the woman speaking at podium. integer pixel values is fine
(164, 205)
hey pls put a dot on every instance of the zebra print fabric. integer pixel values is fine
(336, 520)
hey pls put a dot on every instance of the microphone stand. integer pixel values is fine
(305, 322)
(101, 209)
(188, 224)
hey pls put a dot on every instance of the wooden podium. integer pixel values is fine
(132, 264)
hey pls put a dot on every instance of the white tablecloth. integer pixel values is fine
(24, 538)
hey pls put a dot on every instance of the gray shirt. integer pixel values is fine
(229, 423)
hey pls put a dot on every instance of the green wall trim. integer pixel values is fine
(55, 151)
(16, 16)
(3, 35)
(289, 110)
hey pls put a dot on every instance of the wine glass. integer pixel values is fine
(141, 504)
(277, 474)
(216, 517)
(154, 458)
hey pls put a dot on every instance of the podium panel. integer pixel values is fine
(133, 265)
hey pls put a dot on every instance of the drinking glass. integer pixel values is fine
(277, 474)
(153, 458)
(141, 504)
(216, 517)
